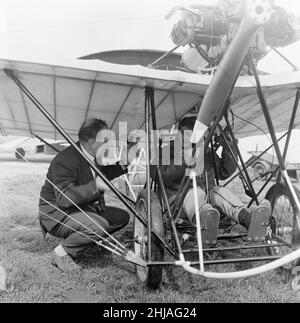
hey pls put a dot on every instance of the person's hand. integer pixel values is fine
(189, 159)
(221, 140)
(196, 163)
(101, 186)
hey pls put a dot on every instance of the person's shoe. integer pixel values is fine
(210, 221)
(65, 263)
(260, 219)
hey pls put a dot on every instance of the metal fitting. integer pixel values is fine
(258, 12)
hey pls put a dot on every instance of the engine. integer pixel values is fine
(205, 26)
(207, 31)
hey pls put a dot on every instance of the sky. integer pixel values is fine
(34, 29)
(73, 28)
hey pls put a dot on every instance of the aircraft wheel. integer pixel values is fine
(20, 153)
(282, 220)
(151, 276)
(259, 170)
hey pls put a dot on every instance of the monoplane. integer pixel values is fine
(218, 77)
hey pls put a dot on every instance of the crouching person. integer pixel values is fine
(70, 182)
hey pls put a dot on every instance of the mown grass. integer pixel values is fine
(105, 278)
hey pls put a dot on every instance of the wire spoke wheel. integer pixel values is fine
(282, 220)
(151, 275)
(259, 171)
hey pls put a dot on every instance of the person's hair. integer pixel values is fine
(187, 122)
(90, 129)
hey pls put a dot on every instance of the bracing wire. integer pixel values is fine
(80, 233)
(78, 222)
(70, 200)
(84, 213)
(261, 130)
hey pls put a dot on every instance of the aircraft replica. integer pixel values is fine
(218, 75)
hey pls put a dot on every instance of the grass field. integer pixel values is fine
(105, 278)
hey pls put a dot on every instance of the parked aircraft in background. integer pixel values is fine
(22, 146)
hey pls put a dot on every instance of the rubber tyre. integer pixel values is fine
(283, 215)
(259, 169)
(151, 276)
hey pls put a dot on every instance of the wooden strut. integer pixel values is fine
(124, 199)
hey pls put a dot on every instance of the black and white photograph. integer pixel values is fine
(149, 154)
